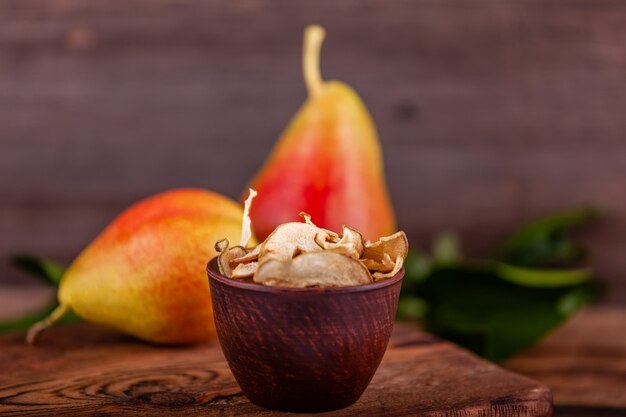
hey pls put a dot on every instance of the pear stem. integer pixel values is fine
(313, 39)
(36, 329)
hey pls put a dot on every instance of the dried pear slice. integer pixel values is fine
(221, 245)
(395, 246)
(332, 236)
(385, 265)
(291, 239)
(246, 223)
(224, 261)
(397, 267)
(350, 244)
(306, 217)
(252, 255)
(321, 269)
(244, 270)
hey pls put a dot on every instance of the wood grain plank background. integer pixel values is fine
(490, 112)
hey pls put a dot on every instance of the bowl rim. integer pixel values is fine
(214, 274)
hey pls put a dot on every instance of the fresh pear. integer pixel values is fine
(327, 163)
(145, 273)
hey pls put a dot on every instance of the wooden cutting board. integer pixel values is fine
(84, 370)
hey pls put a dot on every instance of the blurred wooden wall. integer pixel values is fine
(490, 111)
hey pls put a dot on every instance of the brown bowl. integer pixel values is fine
(303, 349)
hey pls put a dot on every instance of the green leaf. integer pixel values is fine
(542, 277)
(579, 297)
(23, 323)
(498, 307)
(417, 267)
(411, 308)
(446, 249)
(545, 242)
(42, 268)
(494, 317)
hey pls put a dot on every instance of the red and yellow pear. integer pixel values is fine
(328, 161)
(145, 273)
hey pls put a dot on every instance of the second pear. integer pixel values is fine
(328, 162)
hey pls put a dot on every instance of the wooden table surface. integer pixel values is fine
(583, 363)
(83, 370)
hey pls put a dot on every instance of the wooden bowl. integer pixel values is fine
(303, 349)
